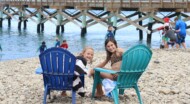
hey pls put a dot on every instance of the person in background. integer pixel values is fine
(84, 58)
(42, 48)
(110, 33)
(164, 38)
(114, 55)
(57, 43)
(171, 35)
(64, 44)
(180, 29)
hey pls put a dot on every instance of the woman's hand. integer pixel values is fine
(114, 76)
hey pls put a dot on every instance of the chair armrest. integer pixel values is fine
(39, 70)
(105, 70)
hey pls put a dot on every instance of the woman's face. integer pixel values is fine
(88, 55)
(111, 47)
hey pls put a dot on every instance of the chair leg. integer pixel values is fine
(138, 94)
(115, 96)
(45, 94)
(49, 93)
(96, 80)
(73, 97)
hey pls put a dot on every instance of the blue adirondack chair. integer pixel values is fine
(58, 70)
(134, 63)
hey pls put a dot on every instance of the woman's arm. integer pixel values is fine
(102, 64)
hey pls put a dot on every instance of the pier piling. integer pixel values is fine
(25, 24)
(1, 19)
(62, 28)
(19, 22)
(39, 16)
(149, 35)
(59, 22)
(83, 30)
(114, 24)
(140, 23)
(9, 21)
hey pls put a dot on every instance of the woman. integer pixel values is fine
(114, 55)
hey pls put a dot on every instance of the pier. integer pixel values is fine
(86, 13)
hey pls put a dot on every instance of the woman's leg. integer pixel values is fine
(99, 89)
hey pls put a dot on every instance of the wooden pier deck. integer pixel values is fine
(110, 5)
(111, 12)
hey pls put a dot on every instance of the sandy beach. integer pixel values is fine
(166, 81)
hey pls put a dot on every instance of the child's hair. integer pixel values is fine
(166, 27)
(109, 27)
(64, 40)
(84, 50)
(43, 42)
(107, 52)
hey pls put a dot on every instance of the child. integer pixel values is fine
(171, 35)
(64, 44)
(110, 33)
(84, 57)
(114, 55)
(57, 43)
(43, 47)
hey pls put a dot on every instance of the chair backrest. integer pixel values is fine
(134, 62)
(58, 68)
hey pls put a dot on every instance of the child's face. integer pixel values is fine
(111, 47)
(111, 28)
(88, 55)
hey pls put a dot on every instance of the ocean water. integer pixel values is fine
(24, 43)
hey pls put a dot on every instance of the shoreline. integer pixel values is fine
(166, 81)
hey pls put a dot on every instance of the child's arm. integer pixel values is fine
(102, 64)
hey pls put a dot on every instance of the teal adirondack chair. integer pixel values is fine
(134, 62)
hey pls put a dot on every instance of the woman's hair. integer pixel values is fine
(84, 50)
(107, 52)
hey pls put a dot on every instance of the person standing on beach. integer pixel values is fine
(180, 29)
(57, 43)
(64, 44)
(114, 55)
(110, 33)
(164, 38)
(84, 58)
(43, 47)
(171, 35)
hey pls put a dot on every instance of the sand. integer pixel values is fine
(166, 81)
